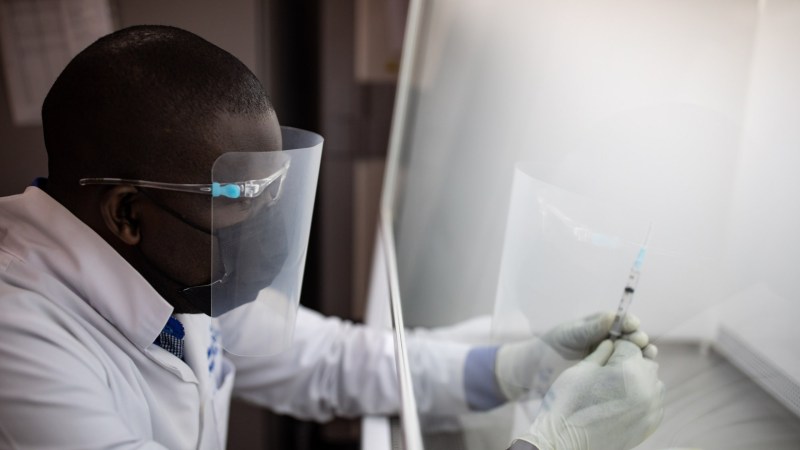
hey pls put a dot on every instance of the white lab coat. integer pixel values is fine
(78, 367)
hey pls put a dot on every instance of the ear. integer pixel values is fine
(120, 218)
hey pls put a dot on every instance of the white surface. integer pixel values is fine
(761, 315)
(685, 109)
(682, 110)
(412, 438)
(375, 430)
(650, 94)
(759, 334)
(709, 405)
(375, 433)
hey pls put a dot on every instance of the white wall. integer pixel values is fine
(765, 219)
(683, 109)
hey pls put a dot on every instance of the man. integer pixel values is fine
(170, 237)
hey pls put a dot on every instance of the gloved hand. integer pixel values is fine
(533, 364)
(611, 400)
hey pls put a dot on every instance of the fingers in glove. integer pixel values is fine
(650, 351)
(639, 338)
(601, 354)
(595, 328)
(624, 350)
(630, 324)
(604, 321)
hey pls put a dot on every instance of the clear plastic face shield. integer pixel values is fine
(261, 208)
(260, 226)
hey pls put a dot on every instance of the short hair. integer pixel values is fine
(135, 102)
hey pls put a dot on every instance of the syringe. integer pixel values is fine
(630, 288)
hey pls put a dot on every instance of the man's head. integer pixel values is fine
(159, 104)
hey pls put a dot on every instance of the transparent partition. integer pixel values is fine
(536, 144)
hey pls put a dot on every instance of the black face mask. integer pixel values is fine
(252, 254)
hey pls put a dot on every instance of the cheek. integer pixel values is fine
(181, 252)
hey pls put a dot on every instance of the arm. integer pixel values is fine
(336, 368)
(494, 375)
(333, 368)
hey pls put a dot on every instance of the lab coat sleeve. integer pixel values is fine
(336, 368)
(52, 393)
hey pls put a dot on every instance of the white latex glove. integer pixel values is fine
(612, 400)
(533, 364)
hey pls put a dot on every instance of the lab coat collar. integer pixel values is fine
(44, 234)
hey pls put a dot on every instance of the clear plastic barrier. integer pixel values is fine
(535, 142)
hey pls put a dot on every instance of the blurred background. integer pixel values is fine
(677, 114)
(329, 66)
(534, 145)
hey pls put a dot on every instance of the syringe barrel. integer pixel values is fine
(624, 304)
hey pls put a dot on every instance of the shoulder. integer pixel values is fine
(37, 334)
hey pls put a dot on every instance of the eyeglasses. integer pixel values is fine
(272, 186)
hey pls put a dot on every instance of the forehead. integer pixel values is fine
(228, 133)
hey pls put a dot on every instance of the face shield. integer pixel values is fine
(261, 207)
(261, 220)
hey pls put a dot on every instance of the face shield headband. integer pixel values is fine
(261, 207)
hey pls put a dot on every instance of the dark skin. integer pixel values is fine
(166, 251)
